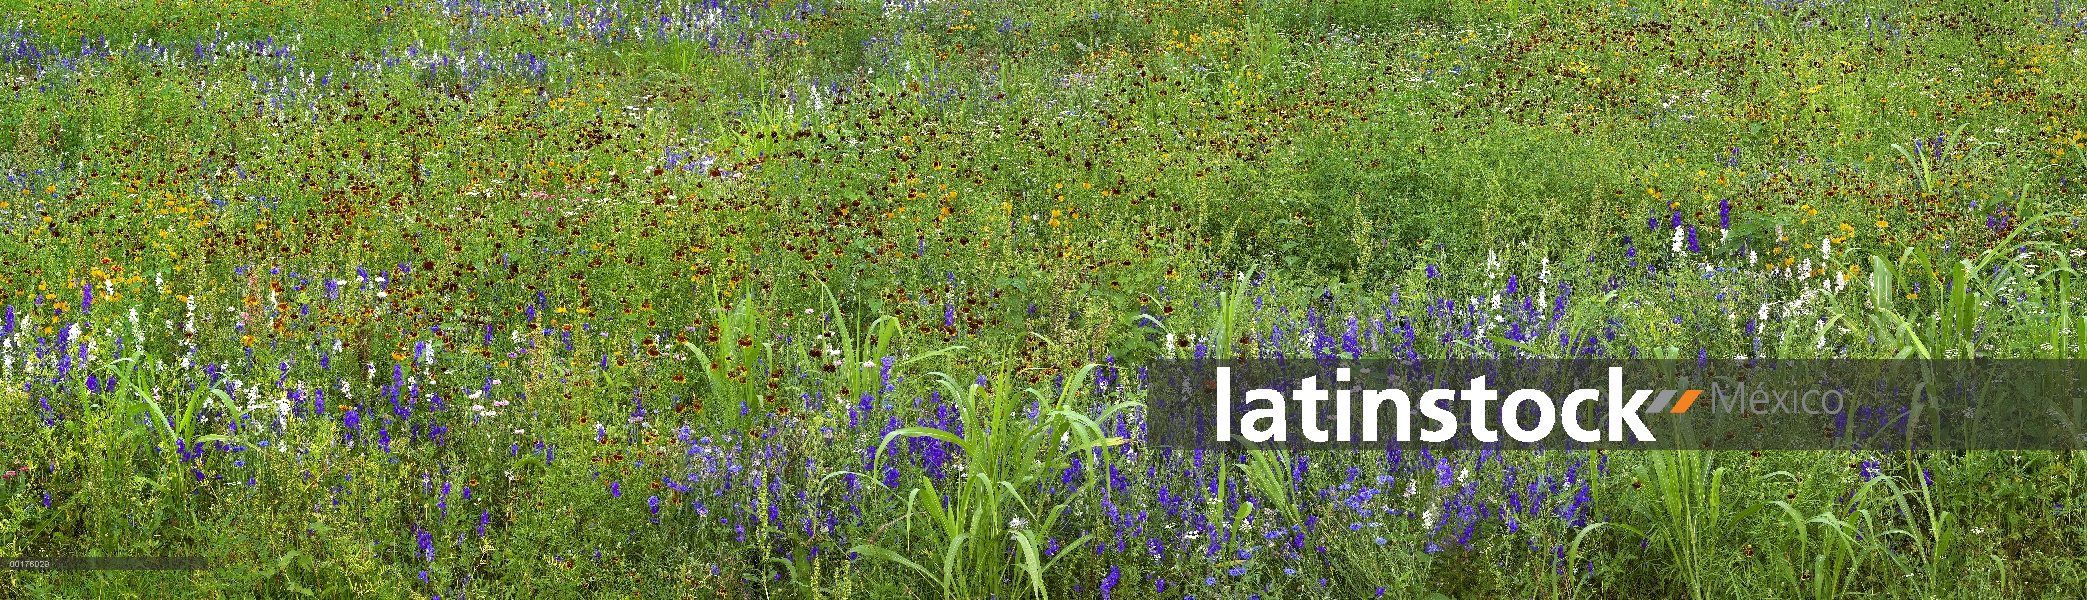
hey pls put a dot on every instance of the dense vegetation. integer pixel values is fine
(345, 296)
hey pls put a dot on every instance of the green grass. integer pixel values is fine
(687, 249)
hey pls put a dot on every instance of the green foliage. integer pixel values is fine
(684, 238)
(994, 505)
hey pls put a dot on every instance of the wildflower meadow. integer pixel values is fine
(854, 299)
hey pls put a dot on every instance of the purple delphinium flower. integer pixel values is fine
(427, 542)
(1724, 214)
(885, 373)
(1350, 339)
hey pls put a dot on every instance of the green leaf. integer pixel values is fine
(1030, 564)
(880, 552)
